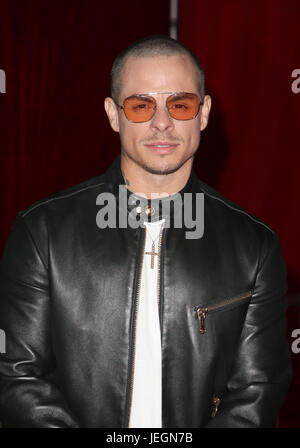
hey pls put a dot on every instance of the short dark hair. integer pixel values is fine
(151, 46)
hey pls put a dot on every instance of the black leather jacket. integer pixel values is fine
(68, 295)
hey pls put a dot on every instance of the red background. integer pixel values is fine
(54, 133)
(250, 152)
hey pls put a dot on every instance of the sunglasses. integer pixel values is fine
(140, 108)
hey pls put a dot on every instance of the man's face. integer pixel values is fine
(163, 144)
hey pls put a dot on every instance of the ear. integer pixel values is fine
(112, 112)
(205, 109)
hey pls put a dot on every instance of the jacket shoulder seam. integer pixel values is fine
(239, 210)
(56, 198)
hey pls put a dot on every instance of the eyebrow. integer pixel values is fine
(144, 97)
(182, 96)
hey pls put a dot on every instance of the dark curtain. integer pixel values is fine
(250, 150)
(57, 57)
(54, 133)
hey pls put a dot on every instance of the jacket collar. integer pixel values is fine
(163, 208)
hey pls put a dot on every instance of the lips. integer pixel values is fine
(162, 147)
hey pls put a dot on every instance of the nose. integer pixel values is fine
(161, 120)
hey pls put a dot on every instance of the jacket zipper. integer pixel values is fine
(159, 263)
(136, 310)
(134, 330)
(215, 407)
(202, 311)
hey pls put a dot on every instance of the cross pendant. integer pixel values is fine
(152, 253)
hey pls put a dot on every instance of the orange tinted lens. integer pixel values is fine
(183, 106)
(139, 109)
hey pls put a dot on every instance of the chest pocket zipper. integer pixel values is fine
(202, 310)
(215, 406)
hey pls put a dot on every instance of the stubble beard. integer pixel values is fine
(162, 171)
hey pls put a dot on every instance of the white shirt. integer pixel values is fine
(146, 407)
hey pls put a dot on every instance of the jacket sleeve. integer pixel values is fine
(261, 370)
(28, 398)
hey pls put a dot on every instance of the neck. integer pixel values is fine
(144, 183)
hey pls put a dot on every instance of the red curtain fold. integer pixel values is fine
(57, 56)
(250, 150)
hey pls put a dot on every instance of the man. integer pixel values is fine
(142, 323)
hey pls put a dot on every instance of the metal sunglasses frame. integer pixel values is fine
(201, 101)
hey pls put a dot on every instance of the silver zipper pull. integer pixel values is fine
(201, 312)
